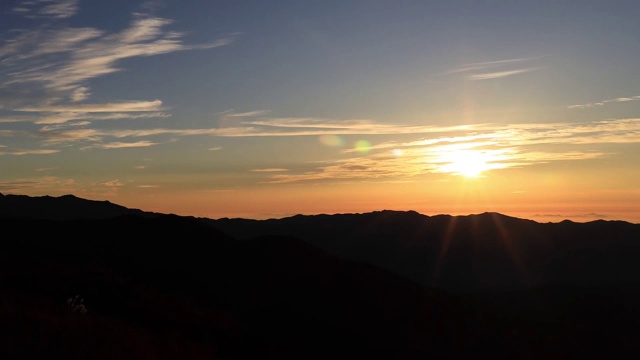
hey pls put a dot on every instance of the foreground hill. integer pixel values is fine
(325, 286)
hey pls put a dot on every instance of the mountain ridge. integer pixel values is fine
(386, 284)
(29, 206)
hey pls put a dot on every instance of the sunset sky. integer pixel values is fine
(264, 109)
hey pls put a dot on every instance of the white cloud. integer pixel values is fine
(495, 146)
(269, 170)
(129, 106)
(499, 74)
(247, 114)
(488, 64)
(603, 102)
(46, 75)
(79, 94)
(63, 117)
(488, 70)
(111, 183)
(57, 64)
(46, 185)
(55, 9)
(121, 145)
(29, 152)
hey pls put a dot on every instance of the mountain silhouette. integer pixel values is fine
(385, 285)
(61, 208)
(484, 252)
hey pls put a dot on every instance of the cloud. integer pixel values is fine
(54, 9)
(488, 64)
(215, 148)
(496, 69)
(129, 106)
(603, 102)
(14, 119)
(111, 183)
(29, 152)
(61, 130)
(499, 74)
(315, 126)
(47, 185)
(79, 94)
(573, 216)
(268, 170)
(82, 54)
(247, 114)
(57, 186)
(64, 117)
(122, 145)
(47, 71)
(488, 147)
(46, 74)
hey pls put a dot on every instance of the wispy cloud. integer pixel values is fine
(111, 183)
(487, 64)
(487, 147)
(496, 69)
(56, 186)
(129, 106)
(247, 114)
(499, 74)
(122, 145)
(48, 185)
(269, 170)
(46, 74)
(599, 132)
(595, 216)
(77, 55)
(55, 9)
(603, 102)
(29, 152)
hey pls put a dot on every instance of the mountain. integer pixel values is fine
(138, 286)
(484, 252)
(171, 287)
(61, 208)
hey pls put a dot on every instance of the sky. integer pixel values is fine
(267, 109)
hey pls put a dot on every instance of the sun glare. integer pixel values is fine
(470, 163)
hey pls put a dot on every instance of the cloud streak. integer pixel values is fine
(500, 74)
(495, 146)
(46, 74)
(53, 9)
(64, 60)
(29, 152)
(489, 70)
(603, 102)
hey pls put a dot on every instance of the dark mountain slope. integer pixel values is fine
(485, 252)
(176, 287)
(199, 291)
(65, 207)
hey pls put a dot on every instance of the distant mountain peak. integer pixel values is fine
(64, 207)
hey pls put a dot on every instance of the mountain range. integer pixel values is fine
(91, 279)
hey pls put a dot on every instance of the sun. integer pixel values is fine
(469, 163)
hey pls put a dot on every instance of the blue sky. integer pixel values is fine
(324, 103)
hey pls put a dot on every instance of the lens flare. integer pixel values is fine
(363, 146)
(331, 140)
